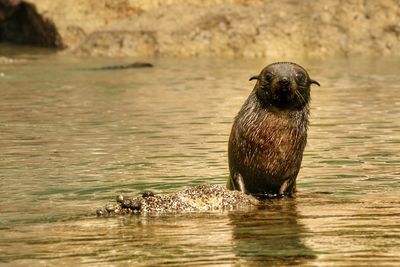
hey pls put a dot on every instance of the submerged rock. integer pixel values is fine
(135, 65)
(198, 198)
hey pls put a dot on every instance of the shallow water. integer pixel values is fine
(71, 139)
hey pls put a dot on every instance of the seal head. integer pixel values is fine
(284, 85)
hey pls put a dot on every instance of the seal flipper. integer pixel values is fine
(237, 183)
(287, 187)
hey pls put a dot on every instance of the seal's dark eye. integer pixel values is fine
(269, 76)
(300, 77)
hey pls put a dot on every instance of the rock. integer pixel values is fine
(198, 198)
(147, 194)
(135, 65)
(110, 208)
(126, 203)
(120, 198)
(136, 205)
(99, 212)
(21, 24)
(227, 28)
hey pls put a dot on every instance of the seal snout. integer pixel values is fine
(284, 81)
(284, 84)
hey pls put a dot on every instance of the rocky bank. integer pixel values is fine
(227, 28)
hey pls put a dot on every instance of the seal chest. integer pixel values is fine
(269, 133)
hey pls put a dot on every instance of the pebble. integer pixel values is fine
(126, 203)
(99, 212)
(110, 208)
(120, 198)
(146, 194)
(136, 205)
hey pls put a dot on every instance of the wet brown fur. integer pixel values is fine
(269, 133)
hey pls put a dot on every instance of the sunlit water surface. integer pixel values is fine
(72, 138)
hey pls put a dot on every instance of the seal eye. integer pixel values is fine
(300, 77)
(269, 76)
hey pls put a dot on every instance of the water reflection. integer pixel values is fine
(270, 235)
(72, 139)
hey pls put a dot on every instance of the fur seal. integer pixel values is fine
(269, 133)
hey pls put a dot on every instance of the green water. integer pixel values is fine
(71, 139)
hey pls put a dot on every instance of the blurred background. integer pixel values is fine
(225, 28)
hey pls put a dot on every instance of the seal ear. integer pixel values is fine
(255, 77)
(314, 81)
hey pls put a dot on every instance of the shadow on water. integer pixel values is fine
(270, 235)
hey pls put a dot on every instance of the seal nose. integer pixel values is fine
(284, 81)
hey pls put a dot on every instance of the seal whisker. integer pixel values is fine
(297, 93)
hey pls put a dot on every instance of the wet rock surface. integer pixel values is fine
(21, 24)
(198, 198)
